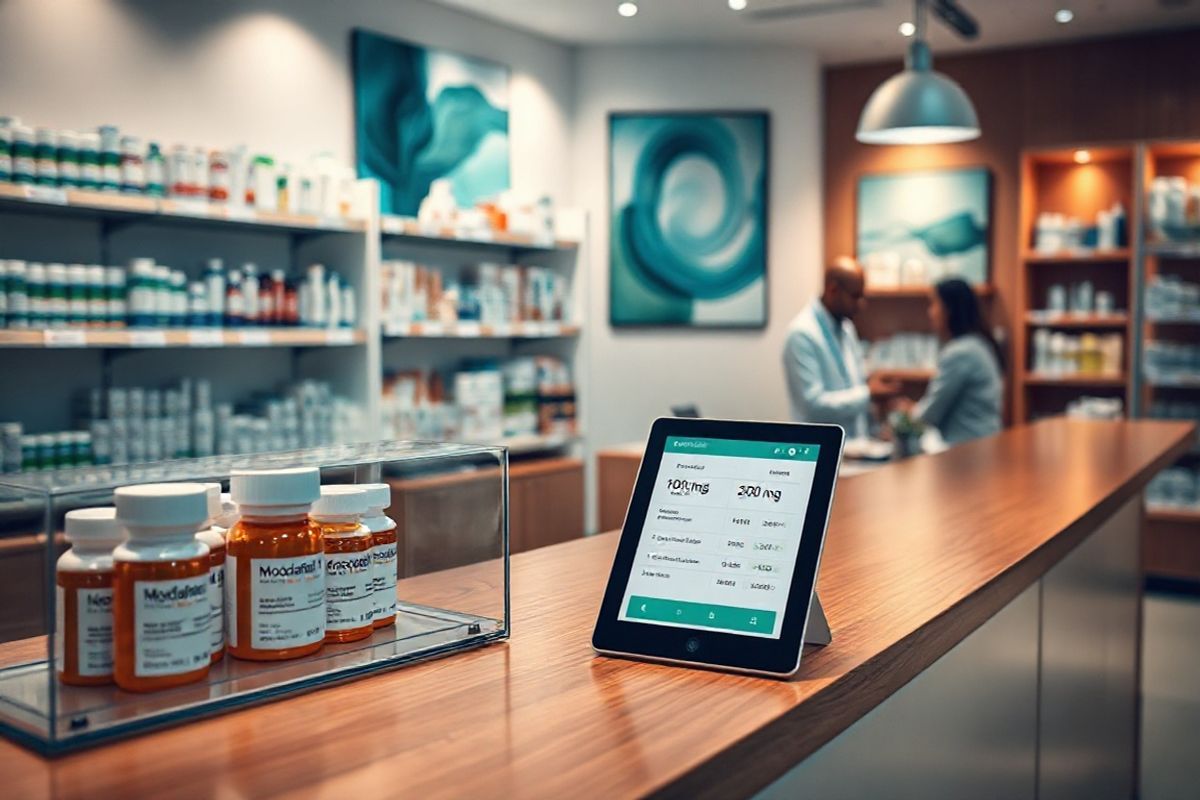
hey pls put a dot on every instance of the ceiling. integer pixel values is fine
(847, 31)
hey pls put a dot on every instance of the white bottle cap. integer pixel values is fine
(379, 495)
(276, 492)
(94, 527)
(341, 501)
(213, 499)
(168, 506)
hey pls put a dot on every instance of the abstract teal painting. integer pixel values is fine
(688, 219)
(421, 114)
(932, 223)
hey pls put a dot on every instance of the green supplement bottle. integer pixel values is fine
(156, 171)
(68, 159)
(6, 143)
(24, 169)
(89, 161)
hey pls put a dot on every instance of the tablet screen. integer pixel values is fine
(721, 535)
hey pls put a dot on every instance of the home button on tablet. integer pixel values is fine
(693, 645)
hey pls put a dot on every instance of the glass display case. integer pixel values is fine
(452, 589)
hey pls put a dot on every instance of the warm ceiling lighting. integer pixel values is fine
(627, 9)
(1082, 157)
(1063, 16)
(737, 5)
(907, 29)
(918, 106)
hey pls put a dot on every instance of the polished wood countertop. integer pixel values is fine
(919, 554)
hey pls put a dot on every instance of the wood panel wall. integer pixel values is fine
(1105, 90)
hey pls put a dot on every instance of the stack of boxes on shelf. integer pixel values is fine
(489, 401)
(490, 294)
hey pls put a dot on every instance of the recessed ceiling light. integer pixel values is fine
(737, 5)
(627, 9)
(1063, 16)
(1082, 157)
(907, 29)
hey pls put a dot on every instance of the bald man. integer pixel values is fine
(827, 379)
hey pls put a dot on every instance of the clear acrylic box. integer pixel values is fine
(450, 503)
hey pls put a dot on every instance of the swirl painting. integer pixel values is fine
(421, 114)
(688, 219)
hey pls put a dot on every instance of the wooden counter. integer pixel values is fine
(919, 555)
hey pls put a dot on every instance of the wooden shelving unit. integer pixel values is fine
(1098, 381)
(1089, 321)
(1116, 257)
(1172, 545)
(1054, 181)
(905, 375)
(916, 292)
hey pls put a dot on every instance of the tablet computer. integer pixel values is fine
(718, 556)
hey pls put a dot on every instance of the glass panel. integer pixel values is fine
(450, 505)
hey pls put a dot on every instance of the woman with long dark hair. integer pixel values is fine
(964, 398)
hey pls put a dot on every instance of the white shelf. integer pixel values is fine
(191, 337)
(21, 198)
(405, 228)
(475, 330)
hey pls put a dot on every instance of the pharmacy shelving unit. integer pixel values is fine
(1052, 180)
(544, 465)
(75, 226)
(1172, 535)
(436, 345)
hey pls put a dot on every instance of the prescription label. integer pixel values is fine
(171, 621)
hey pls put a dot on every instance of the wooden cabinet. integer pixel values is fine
(545, 507)
(616, 473)
(545, 502)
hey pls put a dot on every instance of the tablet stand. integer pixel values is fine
(817, 630)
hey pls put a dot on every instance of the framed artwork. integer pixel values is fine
(423, 114)
(919, 227)
(688, 219)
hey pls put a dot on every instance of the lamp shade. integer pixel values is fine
(918, 106)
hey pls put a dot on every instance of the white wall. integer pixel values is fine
(274, 74)
(636, 376)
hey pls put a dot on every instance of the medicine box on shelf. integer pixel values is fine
(462, 601)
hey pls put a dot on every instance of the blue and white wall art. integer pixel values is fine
(421, 114)
(688, 219)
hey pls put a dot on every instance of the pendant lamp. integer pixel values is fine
(918, 106)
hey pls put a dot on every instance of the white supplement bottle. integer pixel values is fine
(83, 630)
(160, 587)
(383, 553)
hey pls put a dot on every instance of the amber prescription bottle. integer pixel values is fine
(160, 587)
(383, 553)
(349, 579)
(83, 629)
(214, 537)
(274, 566)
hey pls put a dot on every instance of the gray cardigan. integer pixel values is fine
(964, 398)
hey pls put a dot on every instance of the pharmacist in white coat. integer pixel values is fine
(826, 377)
